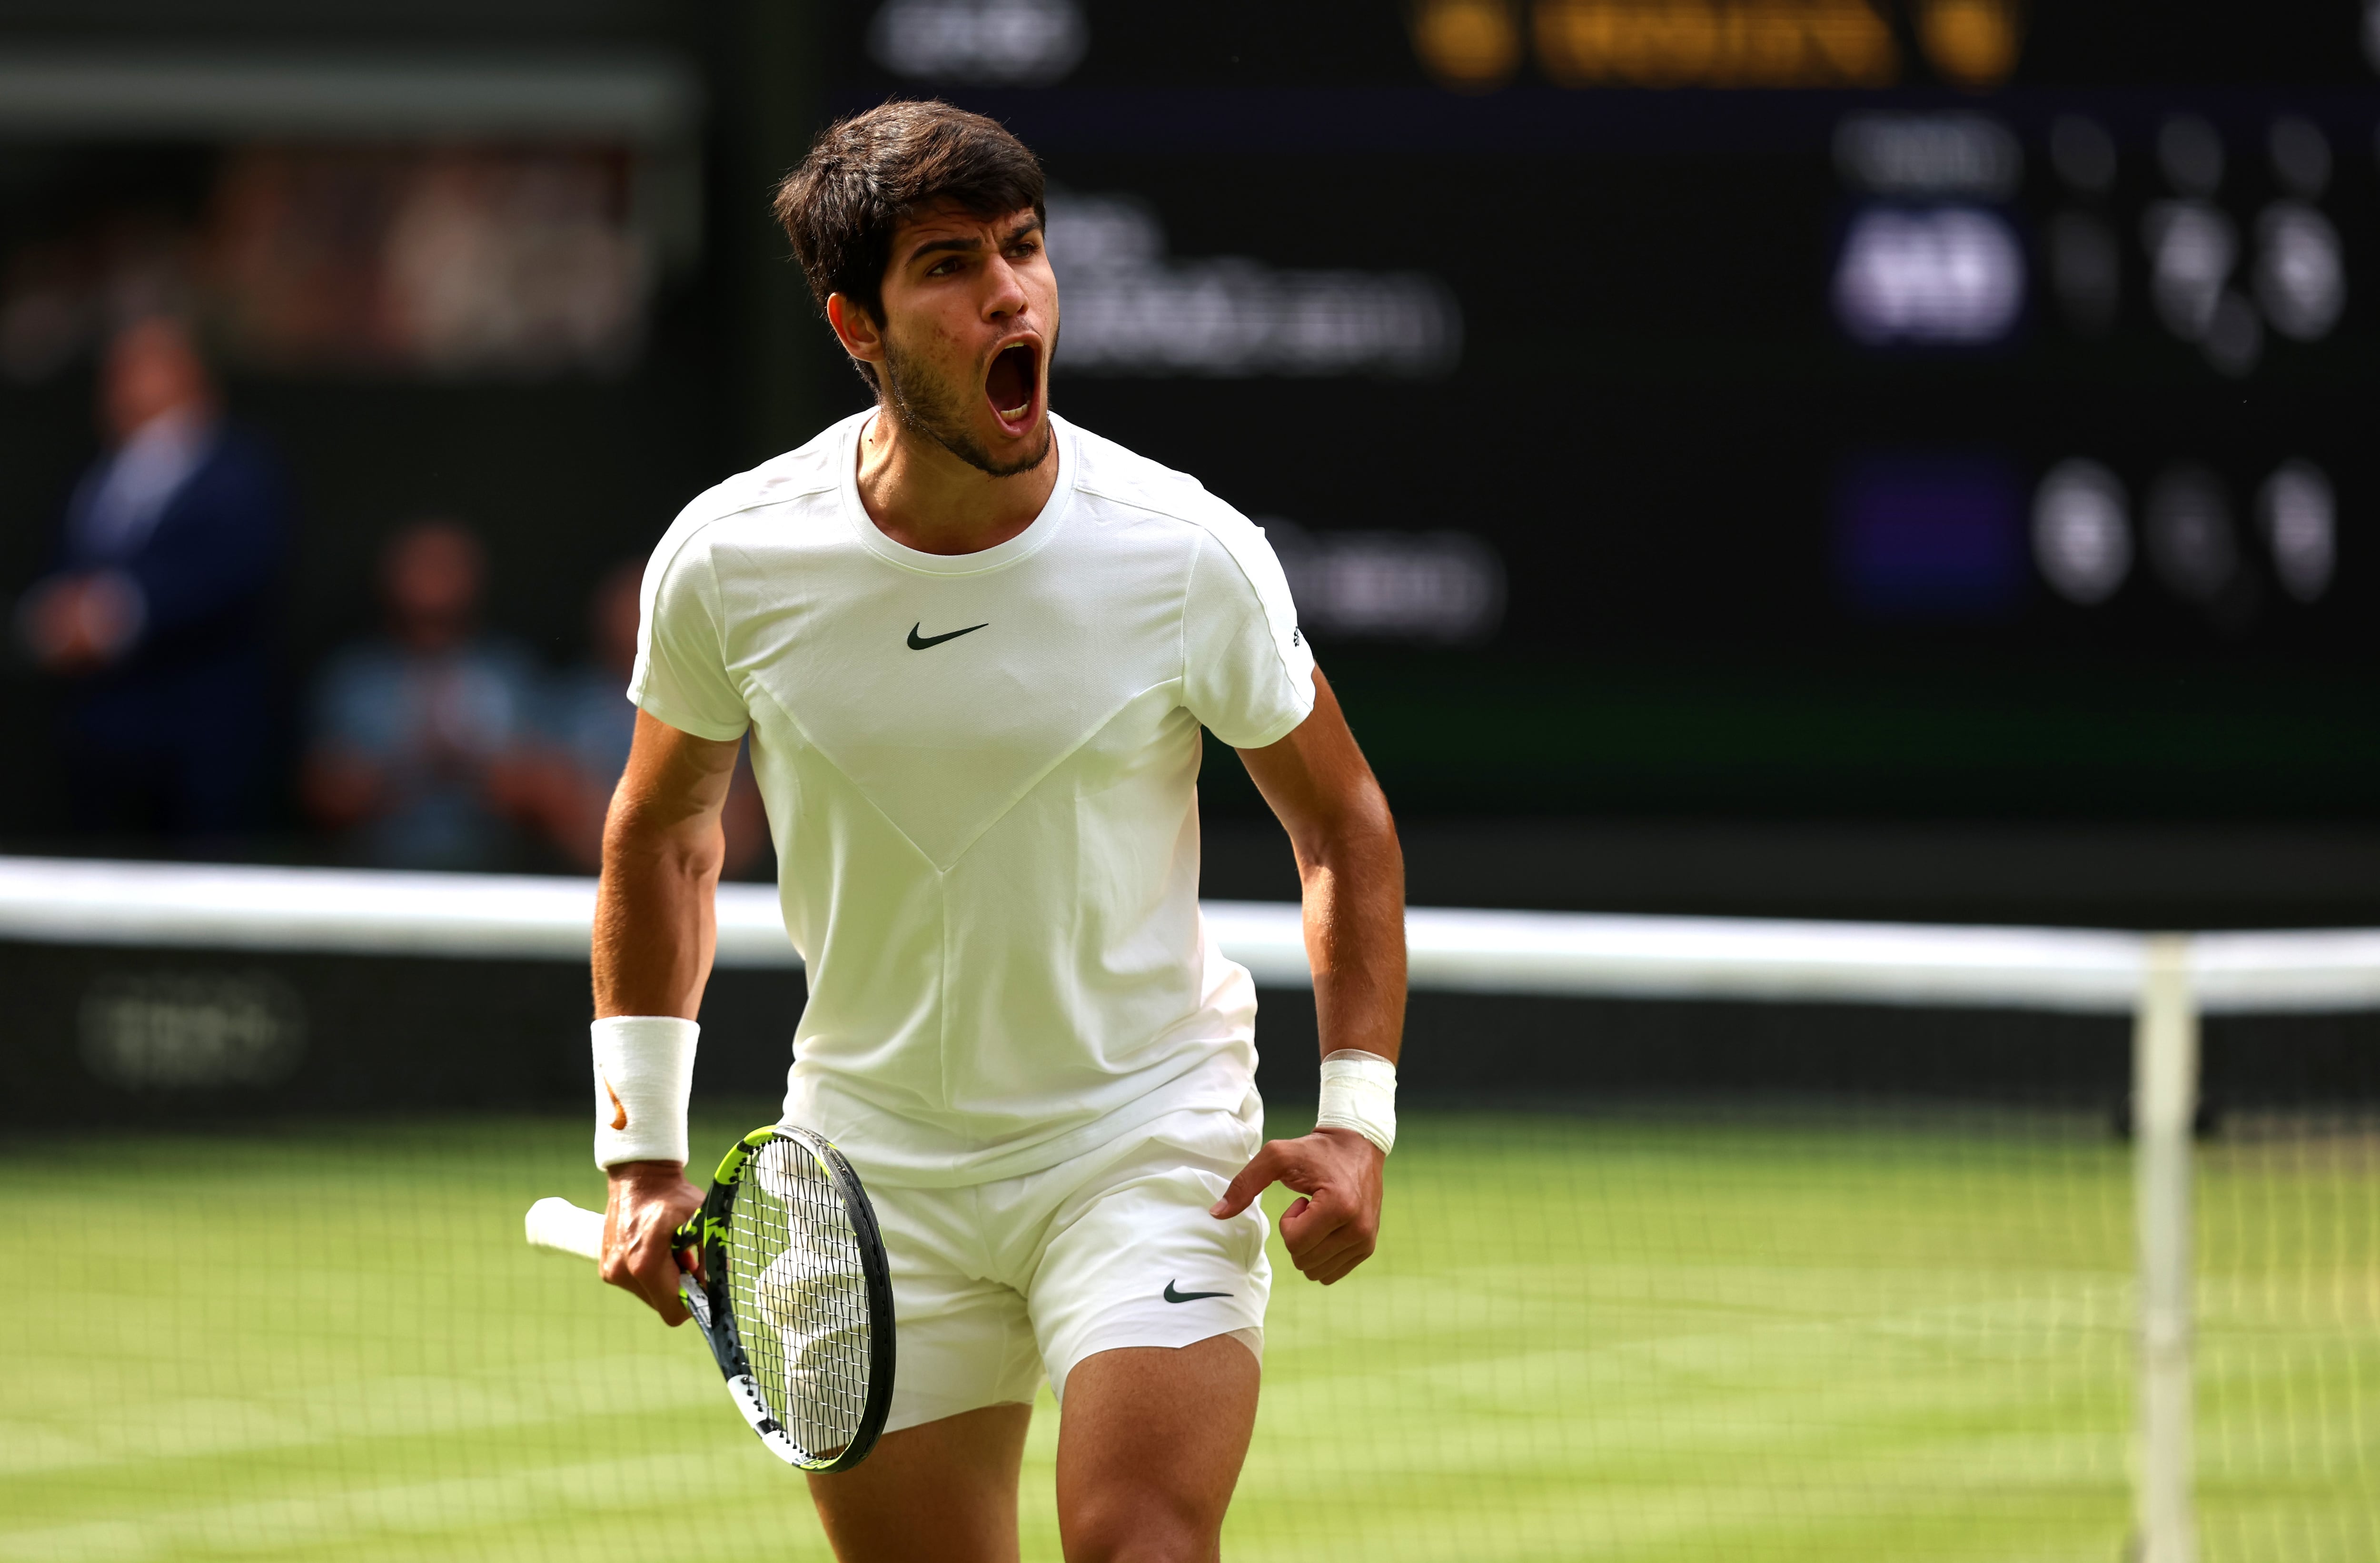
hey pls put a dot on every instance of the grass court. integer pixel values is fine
(1664, 1335)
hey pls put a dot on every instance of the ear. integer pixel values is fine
(854, 329)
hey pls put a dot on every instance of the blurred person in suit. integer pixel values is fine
(588, 723)
(419, 736)
(159, 614)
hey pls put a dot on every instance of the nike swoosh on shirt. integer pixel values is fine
(917, 643)
(619, 1108)
(1173, 1296)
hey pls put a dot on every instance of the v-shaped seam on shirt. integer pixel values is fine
(755, 688)
(1023, 790)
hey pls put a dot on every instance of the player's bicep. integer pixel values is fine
(674, 780)
(1315, 779)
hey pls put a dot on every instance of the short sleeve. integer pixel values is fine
(680, 675)
(1247, 674)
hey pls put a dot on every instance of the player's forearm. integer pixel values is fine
(1353, 878)
(655, 921)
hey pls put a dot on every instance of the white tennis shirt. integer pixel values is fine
(980, 773)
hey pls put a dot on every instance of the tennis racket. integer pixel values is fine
(798, 1304)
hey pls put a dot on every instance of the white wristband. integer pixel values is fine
(1359, 1092)
(644, 1073)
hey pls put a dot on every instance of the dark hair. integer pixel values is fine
(867, 174)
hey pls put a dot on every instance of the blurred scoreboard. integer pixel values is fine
(1810, 347)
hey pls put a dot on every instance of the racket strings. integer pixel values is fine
(800, 1292)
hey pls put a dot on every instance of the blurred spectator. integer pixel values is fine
(590, 723)
(417, 736)
(158, 613)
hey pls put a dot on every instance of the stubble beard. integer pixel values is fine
(938, 409)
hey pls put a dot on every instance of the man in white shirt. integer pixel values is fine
(973, 647)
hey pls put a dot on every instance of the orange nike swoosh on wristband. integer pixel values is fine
(619, 1109)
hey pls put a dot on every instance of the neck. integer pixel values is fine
(923, 497)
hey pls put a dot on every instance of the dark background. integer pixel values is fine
(1685, 704)
(379, 1035)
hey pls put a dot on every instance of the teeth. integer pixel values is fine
(1015, 412)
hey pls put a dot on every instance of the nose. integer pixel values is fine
(1004, 295)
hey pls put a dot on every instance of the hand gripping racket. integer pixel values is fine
(798, 1306)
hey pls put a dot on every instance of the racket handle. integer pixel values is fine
(559, 1225)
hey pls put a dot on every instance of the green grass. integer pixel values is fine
(1648, 1338)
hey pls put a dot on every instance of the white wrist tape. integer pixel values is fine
(1359, 1092)
(644, 1073)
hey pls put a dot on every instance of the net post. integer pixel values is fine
(2165, 1099)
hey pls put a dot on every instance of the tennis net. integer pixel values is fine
(1777, 1270)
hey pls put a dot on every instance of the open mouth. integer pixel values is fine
(1012, 382)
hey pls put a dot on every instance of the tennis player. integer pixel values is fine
(973, 647)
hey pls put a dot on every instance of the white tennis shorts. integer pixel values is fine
(996, 1284)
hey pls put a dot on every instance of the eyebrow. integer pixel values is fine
(969, 243)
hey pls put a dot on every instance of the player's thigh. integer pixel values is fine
(1150, 1447)
(941, 1492)
(1134, 1257)
(965, 1342)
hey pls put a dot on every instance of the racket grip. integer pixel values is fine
(559, 1225)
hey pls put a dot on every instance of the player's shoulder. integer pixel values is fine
(1114, 476)
(766, 490)
(1126, 478)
